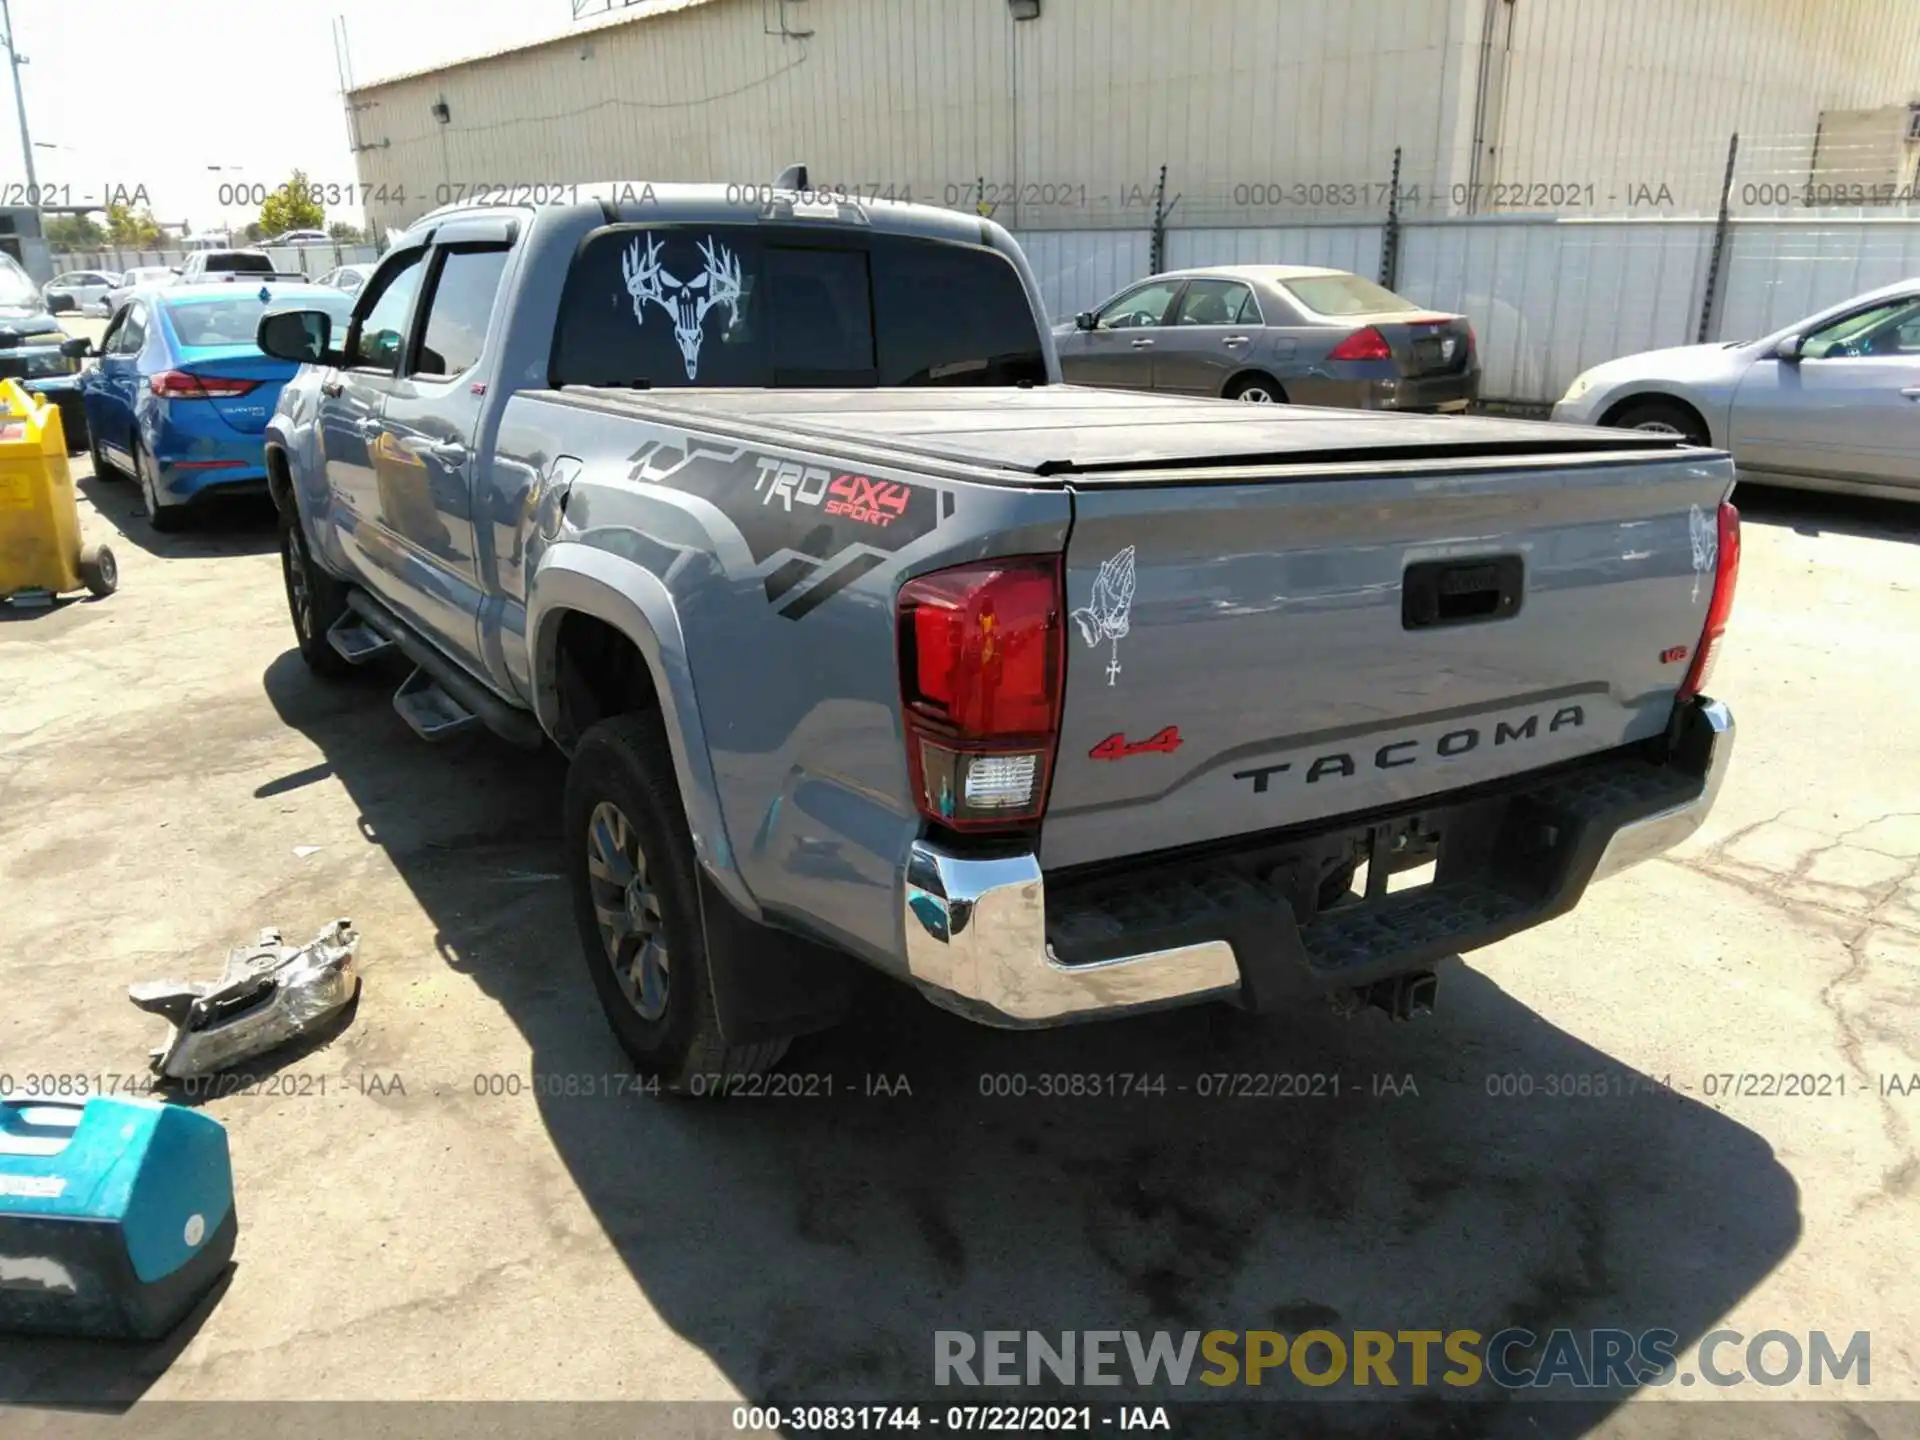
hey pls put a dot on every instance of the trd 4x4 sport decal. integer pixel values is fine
(824, 525)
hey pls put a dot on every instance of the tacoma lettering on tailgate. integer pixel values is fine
(1336, 764)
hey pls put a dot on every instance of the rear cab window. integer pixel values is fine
(770, 306)
(245, 264)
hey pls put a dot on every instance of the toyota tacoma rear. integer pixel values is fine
(868, 638)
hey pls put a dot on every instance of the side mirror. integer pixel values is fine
(297, 335)
(1788, 349)
(78, 348)
(1083, 321)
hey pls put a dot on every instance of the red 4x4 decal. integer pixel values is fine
(869, 501)
(1115, 746)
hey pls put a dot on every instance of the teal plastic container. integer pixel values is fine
(116, 1216)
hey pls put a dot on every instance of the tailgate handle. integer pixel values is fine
(1434, 593)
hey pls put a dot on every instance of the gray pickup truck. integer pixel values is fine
(868, 639)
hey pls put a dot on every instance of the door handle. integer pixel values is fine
(447, 452)
(1233, 340)
(1912, 392)
(1142, 344)
(331, 386)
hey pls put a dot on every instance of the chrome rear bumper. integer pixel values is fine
(976, 928)
(1712, 725)
(977, 943)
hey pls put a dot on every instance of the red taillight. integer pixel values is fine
(981, 656)
(1726, 574)
(1367, 344)
(182, 385)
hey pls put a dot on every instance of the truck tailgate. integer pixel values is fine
(1251, 651)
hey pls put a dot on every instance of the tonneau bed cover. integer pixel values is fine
(1093, 436)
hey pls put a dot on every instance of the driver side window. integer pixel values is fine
(379, 338)
(1145, 306)
(1889, 328)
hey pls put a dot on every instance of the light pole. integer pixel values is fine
(16, 59)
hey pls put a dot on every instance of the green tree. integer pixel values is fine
(73, 232)
(345, 234)
(292, 207)
(254, 232)
(131, 227)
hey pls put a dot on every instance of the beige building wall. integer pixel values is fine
(1263, 111)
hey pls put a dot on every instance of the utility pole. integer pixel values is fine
(20, 101)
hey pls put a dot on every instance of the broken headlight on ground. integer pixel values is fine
(269, 993)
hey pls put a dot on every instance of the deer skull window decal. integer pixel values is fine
(686, 302)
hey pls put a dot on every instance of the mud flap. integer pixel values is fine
(766, 982)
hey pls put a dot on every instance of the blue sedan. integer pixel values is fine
(180, 394)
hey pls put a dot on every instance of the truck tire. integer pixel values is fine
(629, 861)
(315, 600)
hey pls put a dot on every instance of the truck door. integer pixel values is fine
(424, 460)
(351, 399)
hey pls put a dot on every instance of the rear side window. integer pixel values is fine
(790, 307)
(458, 311)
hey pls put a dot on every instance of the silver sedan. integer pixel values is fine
(1832, 402)
(1274, 333)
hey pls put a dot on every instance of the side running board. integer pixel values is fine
(439, 699)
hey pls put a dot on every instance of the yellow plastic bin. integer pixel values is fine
(40, 551)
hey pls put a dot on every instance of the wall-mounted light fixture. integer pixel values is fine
(441, 112)
(1024, 9)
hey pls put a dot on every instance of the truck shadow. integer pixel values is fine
(917, 1179)
(1816, 513)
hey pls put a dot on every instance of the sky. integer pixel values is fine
(183, 98)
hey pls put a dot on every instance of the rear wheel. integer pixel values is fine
(315, 600)
(629, 861)
(1663, 417)
(1257, 390)
(147, 470)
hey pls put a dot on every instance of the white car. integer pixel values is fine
(1832, 402)
(348, 278)
(134, 279)
(87, 289)
(301, 237)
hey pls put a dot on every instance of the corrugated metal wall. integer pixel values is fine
(1077, 269)
(1548, 298)
(1264, 112)
(1067, 119)
(1343, 247)
(1780, 270)
(1647, 92)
